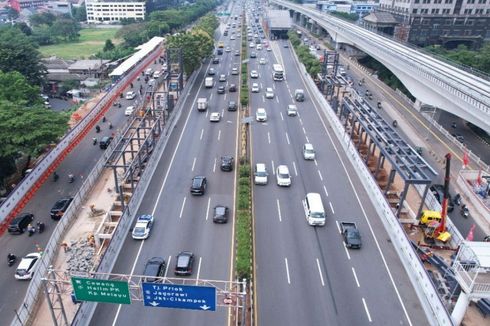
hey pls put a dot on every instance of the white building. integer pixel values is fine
(108, 12)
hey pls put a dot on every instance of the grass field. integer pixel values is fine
(91, 41)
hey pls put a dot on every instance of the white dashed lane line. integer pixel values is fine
(182, 208)
(287, 270)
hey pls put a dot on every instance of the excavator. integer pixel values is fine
(436, 229)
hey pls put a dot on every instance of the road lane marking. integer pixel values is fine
(355, 277)
(316, 163)
(211, 96)
(224, 97)
(168, 266)
(202, 133)
(320, 174)
(304, 131)
(367, 310)
(295, 170)
(269, 137)
(193, 164)
(279, 210)
(214, 165)
(222, 112)
(207, 210)
(338, 226)
(182, 208)
(277, 99)
(346, 249)
(282, 118)
(287, 139)
(331, 207)
(273, 168)
(198, 270)
(287, 270)
(325, 189)
(307, 139)
(301, 123)
(207, 112)
(219, 134)
(320, 271)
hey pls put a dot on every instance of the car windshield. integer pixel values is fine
(139, 230)
(317, 215)
(220, 211)
(284, 175)
(309, 151)
(59, 204)
(261, 174)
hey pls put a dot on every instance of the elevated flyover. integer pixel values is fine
(430, 80)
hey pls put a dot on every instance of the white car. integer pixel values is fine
(283, 177)
(227, 49)
(252, 44)
(262, 61)
(260, 174)
(254, 74)
(142, 228)
(259, 47)
(269, 49)
(232, 37)
(292, 110)
(234, 71)
(269, 92)
(261, 115)
(130, 95)
(215, 117)
(222, 78)
(27, 266)
(255, 88)
(129, 110)
(308, 152)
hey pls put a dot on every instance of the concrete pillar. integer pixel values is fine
(460, 308)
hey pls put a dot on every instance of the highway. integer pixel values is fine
(183, 221)
(305, 275)
(79, 162)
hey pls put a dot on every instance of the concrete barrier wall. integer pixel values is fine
(430, 300)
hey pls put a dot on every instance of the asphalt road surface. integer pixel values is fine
(79, 162)
(304, 274)
(183, 221)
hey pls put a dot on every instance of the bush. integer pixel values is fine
(244, 245)
(244, 170)
(244, 182)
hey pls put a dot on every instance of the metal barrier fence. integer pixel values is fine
(430, 300)
(25, 189)
(87, 309)
(35, 286)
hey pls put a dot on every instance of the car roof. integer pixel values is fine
(260, 166)
(183, 258)
(260, 110)
(283, 169)
(308, 146)
(27, 260)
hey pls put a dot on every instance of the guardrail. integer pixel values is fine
(430, 300)
(31, 299)
(87, 309)
(26, 189)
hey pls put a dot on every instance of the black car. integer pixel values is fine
(232, 106)
(220, 214)
(198, 186)
(221, 89)
(253, 55)
(219, 51)
(227, 163)
(215, 60)
(60, 207)
(232, 88)
(438, 192)
(104, 142)
(154, 268)
(20, 223)
(185, 261)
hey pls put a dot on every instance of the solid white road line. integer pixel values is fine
(219, 134)
(287, 139)
(198, 270)
(214, 165)
(355, 277)
(325, 189)
(168, 266)
(269, 137)
(202, 133)
(367, 310)
(182, 208)
(193, 164)
(320, 174)
(320, 271)
(287, 270)
(295, 170)
(279, 210)
(331, 207)
(207, 210)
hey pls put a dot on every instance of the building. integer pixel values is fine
(18, 5)
(60, 7)
(446, 22)
(110, 12)
(347, 6)
(278, 23)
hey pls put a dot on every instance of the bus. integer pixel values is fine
(277, 72)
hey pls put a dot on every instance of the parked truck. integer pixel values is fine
(202, 104)
(208, 82)
(351, 235)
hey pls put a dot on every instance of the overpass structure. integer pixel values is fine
(430, 80)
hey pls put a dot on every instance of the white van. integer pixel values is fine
(208, 82)
(308, 152)
(260, 174)
(314, 211)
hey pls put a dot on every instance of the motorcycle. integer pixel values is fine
(55, 176)
(40, 227)
(97, 129)
(71, 178)
(395, 123)
(465, 211)
(94, 141)
(31, 230)
(11, 258)
(457, 199)
(379, 105)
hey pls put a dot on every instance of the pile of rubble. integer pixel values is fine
(80, 255)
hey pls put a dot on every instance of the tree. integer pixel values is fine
(44, 18)
(14, 88)
(195, 46)
(19, 53)
(133, 34)
(65, 29)
(24, 28)
(80, 13)
(109, 46)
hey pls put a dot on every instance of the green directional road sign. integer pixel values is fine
(90, 289)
